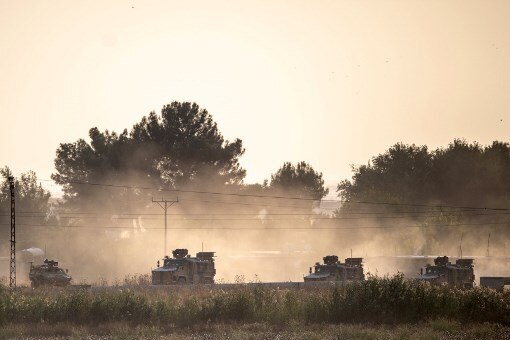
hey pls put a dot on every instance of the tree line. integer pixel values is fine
(461, 174)
(182, 148)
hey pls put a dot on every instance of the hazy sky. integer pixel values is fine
(329, 82)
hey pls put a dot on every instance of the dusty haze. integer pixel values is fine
(329, 82)
(110, 246)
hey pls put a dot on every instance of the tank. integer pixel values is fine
(459, 274)
(48, 274)
(336, 271)
(184, 269)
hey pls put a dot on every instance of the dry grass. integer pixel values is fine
(439, 329)
(390, 301)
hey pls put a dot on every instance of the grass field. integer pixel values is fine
(437, 329)
(375, 308)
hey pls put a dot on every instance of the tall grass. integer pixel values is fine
(376, 300)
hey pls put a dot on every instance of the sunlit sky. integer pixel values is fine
(332, 83)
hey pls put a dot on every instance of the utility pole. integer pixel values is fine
(489, 245)
(12, 277)
(165, 208)
(460, 247)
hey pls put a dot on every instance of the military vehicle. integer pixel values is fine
(48, 274)
(459, 274)
(495, 282)
(333, 270)
(183, 269)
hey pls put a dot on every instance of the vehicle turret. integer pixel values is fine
(330, 259)
(354, 261)
(466, 263)
(180, 253)
(441, 261)
(206, 255)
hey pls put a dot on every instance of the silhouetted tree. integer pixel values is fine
(180, 148)
(470, 174)
(300, 179)
(408, 185)
(32, 208)
(187, 146)
(399, 175)
(460, 174)
(30, 196)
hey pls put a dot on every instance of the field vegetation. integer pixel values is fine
(376, 302)
(436, 329)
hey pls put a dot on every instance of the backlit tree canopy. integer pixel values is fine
(181, 147)
(300, 179)
(30, 196)
(461, 174)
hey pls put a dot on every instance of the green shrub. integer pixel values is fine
(376, 300)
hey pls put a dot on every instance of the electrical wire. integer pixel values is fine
(268, 229)
(281, 197)
(261, 217)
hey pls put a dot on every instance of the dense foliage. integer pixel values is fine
(31, 204)
(386, 300)
(461, 174)
(300, 180)
(448, 196)
(181, 147)
(29, 194)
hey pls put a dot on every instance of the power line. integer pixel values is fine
(250, 204)
(60, 213)
(135, 215)
(272, 228)
(119, 215)
(254, 217)
(438, 206)
(282, 197)
(193, 191)
(235, 203)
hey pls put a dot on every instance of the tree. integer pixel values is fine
(187, 146)
(461, 174)
(449, 186)
(30, 196)
(470, 174)
(32, 208)
(181, 148)
(300, 179)
(399, 175)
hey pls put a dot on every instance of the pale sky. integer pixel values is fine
(332, 83)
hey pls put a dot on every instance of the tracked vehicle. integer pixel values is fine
(183, 269)
(459, 274)
(334, 270)
(48, 274)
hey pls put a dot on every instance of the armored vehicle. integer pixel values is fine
(48, 274)
(333, 270)
(495, 282)
(182, 268)
(459, 274)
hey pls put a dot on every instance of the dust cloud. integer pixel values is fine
(255, 238)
